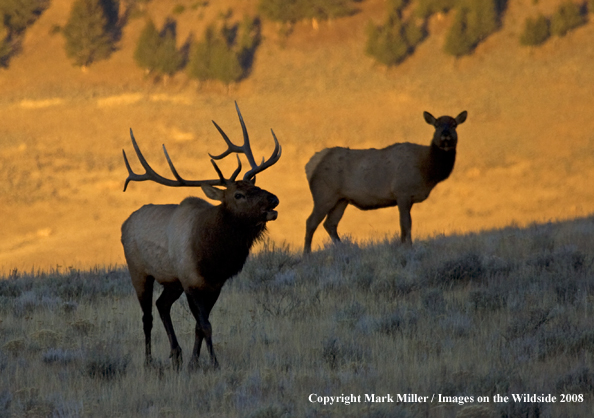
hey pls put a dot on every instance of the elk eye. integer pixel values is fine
(239, 196)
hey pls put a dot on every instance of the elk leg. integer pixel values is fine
(201, 303)
(317, 215)
(333, 218)
(144, 292)
(171, 293)
(404, 208)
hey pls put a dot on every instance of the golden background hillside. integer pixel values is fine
(524, 155)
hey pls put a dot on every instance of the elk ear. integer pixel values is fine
(429, 118)
(461, 117)
(212, 192)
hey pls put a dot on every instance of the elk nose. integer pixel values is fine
(273, 201)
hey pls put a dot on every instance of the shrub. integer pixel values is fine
(567, 17)
(87, 32)
(536, 31)
(474, 21)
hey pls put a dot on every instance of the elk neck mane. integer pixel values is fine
(439, 164)
(224, 245)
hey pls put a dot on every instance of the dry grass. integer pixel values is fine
(500, 312)
(525, 153)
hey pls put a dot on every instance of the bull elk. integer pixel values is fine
(400, 175)
(194, 247)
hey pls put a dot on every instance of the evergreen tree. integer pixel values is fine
(426, 8)
(18, 14)
(226, 53)
(148, 43)
(536, 31)
(295, 10)
(567, 17)
(168, 59)
(157, 52)
(393, 41)
(474, 21)
(325, 9)
(87, 33)
(5, 49)
(15, 17)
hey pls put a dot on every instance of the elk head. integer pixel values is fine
(242, 198)
(445, 136)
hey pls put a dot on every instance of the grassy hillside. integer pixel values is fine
(497, 313)
(525, 153)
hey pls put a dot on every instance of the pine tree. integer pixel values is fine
(536, 31)
(18, 14)
(147, 46)
(169, 60)
(15, 17)
(395, 40)
(5, 49)
(87, 33)
(567, 17)
(295, 10)
(474, 21)
(157, 52)
(325, 9)
(426, 8)
(225, 54)
(280, 10)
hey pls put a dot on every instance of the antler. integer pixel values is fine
(151, 174)
(246, 149)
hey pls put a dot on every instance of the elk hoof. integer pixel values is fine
(193, 365)
(176, 358)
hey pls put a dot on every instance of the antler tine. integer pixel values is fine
(233, 176)
(151, 174)
(237, 170)
(244, 149)
(247, 149)
(276, 154)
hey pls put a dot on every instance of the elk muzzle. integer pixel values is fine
(273, 202)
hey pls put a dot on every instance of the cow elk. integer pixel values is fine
(194, 247)
(400, 175)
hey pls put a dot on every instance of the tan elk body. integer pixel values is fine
(194, 247)
(400, 175)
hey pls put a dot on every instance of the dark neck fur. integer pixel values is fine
(439, 164)
(225, 248)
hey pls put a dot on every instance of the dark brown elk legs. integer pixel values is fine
(145, 297)
(404, 208)
(333, 218)
(171, 293)
(201, 304)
